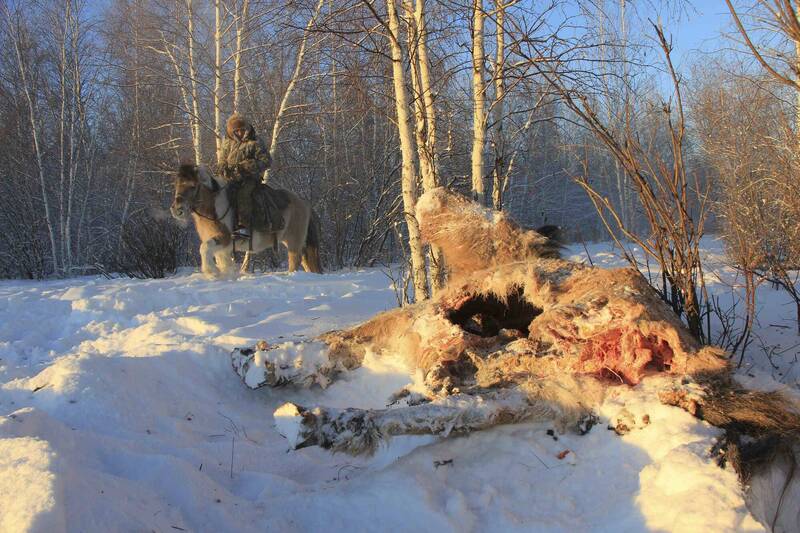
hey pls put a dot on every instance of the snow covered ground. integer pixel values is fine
(119, 412)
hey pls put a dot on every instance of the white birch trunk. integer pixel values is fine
(427, 92)
(424, 119)
(499, 109)
(276, 125)
(62, 70)
(135, 141)
(237, 57)
(478, 102)
(797, 95)
(218, 77)
(78, 117)
(301, 52)
(413, 38)
(196, 131)
(51, 230)
(408, 173)
(184, 91)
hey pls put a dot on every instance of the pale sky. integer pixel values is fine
(698, 31)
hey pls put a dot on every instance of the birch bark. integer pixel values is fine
(195, 120)
(499, 109)
(32, 116)
(478, 102)
(408, 172)
(424, 118)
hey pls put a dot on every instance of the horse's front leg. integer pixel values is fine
(223, 255)
(207, 264)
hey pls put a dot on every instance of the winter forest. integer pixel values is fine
(564, 113)
(533, 218)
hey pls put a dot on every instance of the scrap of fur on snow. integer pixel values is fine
(519, 334)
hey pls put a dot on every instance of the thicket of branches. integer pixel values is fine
(99, 105)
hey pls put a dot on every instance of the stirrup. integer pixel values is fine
(241, 233)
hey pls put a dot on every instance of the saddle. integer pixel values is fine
(268, 204)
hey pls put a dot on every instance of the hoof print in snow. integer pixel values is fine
(625, 422)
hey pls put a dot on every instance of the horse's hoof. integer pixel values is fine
(230, 275)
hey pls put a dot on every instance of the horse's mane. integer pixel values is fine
(201, 173)
(206, 176)
(186, 170)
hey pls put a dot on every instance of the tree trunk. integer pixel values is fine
(298, 65)
(62, 159)
(427, 91)
(424, 119)
(218, 78)
(29, 97)
(499, 109)
(197, 141)
(408, 173)
(797, 91)
(237, 57)
(478, 103)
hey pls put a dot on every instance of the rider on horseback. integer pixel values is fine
(243, 160)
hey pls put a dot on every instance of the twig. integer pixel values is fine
(585, 249)
(233, 442)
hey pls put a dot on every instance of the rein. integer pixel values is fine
(216, 189)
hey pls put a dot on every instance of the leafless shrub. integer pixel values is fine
(672, 199)
(150, 247)
(747, 139)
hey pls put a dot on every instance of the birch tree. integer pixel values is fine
(499, 107)
(478, 102)
(241, 26)
(197, 139)
(408, 170)
(218, 77)
(424, 117)
(19, 37)
(287, 94)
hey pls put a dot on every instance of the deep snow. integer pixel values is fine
(119, 412)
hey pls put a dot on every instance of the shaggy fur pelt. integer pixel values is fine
(546, 335)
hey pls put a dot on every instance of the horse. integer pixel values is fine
(199, 195)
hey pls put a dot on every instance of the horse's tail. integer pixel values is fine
(311, 258)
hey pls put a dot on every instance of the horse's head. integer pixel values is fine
(188, 181)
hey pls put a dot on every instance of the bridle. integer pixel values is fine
(215, 189)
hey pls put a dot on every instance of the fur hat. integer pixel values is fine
(236, 122)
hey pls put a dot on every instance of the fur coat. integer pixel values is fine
(243, 158)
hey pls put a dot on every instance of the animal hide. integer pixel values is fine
(518, 334)
(512, 311)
